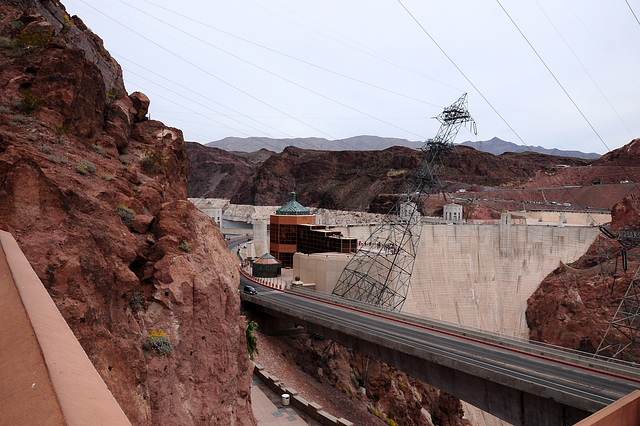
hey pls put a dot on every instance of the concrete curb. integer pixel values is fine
(310, 408)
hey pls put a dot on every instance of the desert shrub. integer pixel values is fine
(159, 342)
(99, 150)
(5, 110)
(153, 160)
(137, 301)
(26, 43)
(85, 166)
(107, 177)
(113, 94)
(57, 159)
(185, 246)
(60, 130)
(29, 102)
(126, 214)
(6, 43)
(252, 341)
(46, 149)
(68, 23)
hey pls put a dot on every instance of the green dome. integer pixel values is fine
(293, 208)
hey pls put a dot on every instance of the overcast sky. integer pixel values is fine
(336, 68)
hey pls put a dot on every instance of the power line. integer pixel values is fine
(461, 72)
(553, 75)
(602, 45)
(199, 94)
(320, 67)
(584, 68)
(559, 84)
(632, 12)
(284, 78)
(477, 90)
(354, 45)
(206, 71)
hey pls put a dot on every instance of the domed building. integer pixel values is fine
(266, 266)
(293, 229)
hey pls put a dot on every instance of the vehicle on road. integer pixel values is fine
(249, 289)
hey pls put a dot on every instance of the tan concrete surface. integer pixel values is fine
(482, 275)
(26, 392)
(82, 395)
(624, 412)
(268, 409)
(323, 269)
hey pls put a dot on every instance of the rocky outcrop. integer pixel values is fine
(332, 180)
(626, 213)
(350, 180)
(216, 173)
(574, 305)
(628, 155)
(96, 198)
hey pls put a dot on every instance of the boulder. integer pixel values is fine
(140, 104)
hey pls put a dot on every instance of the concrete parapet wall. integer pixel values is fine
(46, 376)
(566, 217)
(624, 412)
(309, 408)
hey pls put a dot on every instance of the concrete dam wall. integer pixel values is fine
(482, 275)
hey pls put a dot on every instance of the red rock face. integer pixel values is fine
(216, 173)
(574, 305)
(350, 180)
(96, 198)
(628, 155)
(626, 213)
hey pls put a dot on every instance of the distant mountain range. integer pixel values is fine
(375, 143)
(497, 146)
(356, 143)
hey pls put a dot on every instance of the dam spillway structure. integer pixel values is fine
(380, 272)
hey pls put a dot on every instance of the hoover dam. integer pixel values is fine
(482, 275)
(478, 275)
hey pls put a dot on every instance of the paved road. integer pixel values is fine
(591, 388)
(601, 388)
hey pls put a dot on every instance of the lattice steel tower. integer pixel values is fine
(380, 272)
(622, 339)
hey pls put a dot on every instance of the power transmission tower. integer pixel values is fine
(622, 339)
(380, 272)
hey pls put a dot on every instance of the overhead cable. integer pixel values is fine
(279, 76)
(208, 72)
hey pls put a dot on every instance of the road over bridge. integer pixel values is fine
(518, 381)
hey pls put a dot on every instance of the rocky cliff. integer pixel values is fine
(214, 171)
(574, 305)
(350, 180)
(95, 195)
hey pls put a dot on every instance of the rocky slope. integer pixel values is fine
(351, 180)
(214, 171)
(95, 195)
(331, 375)
(574, 305)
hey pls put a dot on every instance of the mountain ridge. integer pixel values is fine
(494, 145)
